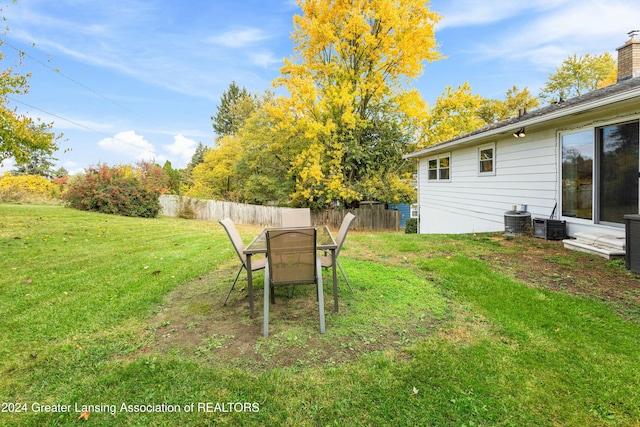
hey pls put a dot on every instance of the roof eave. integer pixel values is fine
(524, 121)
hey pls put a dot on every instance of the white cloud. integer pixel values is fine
(264, 59)
(239, 38)
(181, 150)
(544, 33)
(469, 12)
(462, 13)
(133, 146)
(72, 167)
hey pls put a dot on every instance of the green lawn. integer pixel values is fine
(434, 334)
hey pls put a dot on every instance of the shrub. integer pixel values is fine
(412, 226)
(186, 210)
(27, 188)
(113, 190)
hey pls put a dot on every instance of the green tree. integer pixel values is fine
(349, 92)
(198, 156)
(267, 154)
(252, 165)
(517, 100)
(236, 105)
(173, 177)
(578, 75)
(186, 175)
(39, 164)
(459, 111)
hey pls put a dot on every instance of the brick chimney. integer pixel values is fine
(629, 57)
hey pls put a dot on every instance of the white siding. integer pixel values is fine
(526, 172)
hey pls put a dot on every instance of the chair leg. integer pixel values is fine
(320, 295)
(265, 327)
(234, 285)
(344, 275)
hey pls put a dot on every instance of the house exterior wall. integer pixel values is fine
(526, 173)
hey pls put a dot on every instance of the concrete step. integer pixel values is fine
(605, 253)
(614, 242)
(610, 246)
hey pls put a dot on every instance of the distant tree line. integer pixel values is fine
(261, 156)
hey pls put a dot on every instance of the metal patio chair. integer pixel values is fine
(292, 259)
(299, 217)
(238, 245)
(326, 260)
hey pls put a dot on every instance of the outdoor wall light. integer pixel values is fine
(519, 133)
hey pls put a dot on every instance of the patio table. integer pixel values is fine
(324, 242)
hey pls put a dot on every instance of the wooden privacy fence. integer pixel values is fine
(214, 210)
(371, 217)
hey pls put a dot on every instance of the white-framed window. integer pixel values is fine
(439, 168)
(487, 159)
(414, 211)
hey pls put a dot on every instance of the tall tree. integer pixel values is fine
(349, 86)
(20, 135)
(252, 165)
(459, 111)
(236, 105)
(173, 177)
(198, 156)
(265, 164)
(186, 175)
(578, 75)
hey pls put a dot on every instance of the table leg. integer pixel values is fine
(250, 285)
(335, 281)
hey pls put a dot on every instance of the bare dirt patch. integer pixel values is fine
(549, 265)
(194, 323)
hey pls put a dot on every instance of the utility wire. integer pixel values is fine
(81, 125)
(82, 85)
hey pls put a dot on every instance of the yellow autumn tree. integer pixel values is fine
(455, 113)
(350, 95)
(216, 177)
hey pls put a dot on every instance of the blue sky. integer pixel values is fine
(126, 80)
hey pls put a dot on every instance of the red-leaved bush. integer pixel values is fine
(114, 190)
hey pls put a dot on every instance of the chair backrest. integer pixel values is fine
(291, 255)
(235, 238)
(344, 229)
(296, 217)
